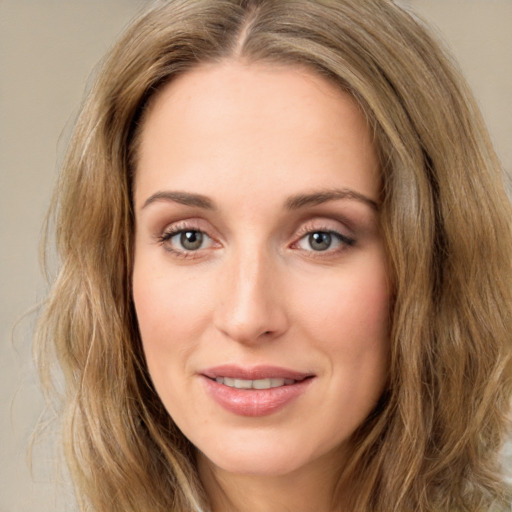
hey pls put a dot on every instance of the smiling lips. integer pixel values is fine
(257, 391)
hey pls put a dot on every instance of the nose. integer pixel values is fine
(251, 306)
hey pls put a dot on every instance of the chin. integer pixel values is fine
(260, 457)
(251, 464)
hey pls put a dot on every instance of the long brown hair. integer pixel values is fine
(433, 442)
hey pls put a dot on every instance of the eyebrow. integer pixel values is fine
(185, 198)
(292, 203)
(301, 200)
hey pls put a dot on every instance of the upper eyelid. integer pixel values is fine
(324, 224)
(184, 225)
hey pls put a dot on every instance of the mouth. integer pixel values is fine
(256, 377)
(254, 384)
(256, 391)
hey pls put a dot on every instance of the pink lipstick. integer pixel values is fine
(256, 391)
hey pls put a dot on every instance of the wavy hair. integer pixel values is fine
(433, 442)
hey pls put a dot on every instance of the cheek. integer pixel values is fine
(156, 315)
(349, 305)
(168, 300)
(167, 306)
(348, 317)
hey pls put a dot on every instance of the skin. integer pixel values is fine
(248, 137)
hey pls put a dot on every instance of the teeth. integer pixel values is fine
(243, 384)
(254, 384)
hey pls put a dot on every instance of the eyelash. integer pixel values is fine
(308, 230)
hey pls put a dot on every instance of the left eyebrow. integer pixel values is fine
(323, 196)
(185, 198)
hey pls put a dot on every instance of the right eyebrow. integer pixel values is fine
(323, 196)
(185, 198)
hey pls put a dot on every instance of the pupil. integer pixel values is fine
(320, 241)
(191, 240)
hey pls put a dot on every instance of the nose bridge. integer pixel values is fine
(249, 306)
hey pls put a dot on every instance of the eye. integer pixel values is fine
(185, 240)
(320, 241)
(190, 240)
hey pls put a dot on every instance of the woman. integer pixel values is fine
(285, 277)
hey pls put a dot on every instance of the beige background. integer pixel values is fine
(47, 51)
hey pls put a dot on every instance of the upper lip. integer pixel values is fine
(254, 372)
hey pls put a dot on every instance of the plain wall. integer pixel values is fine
(47, 51)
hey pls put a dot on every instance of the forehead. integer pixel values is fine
(250, 125)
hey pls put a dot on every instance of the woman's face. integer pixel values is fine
(260, 280)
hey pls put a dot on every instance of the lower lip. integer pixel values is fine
(254, 402)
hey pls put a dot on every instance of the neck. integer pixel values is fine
(312, 488)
